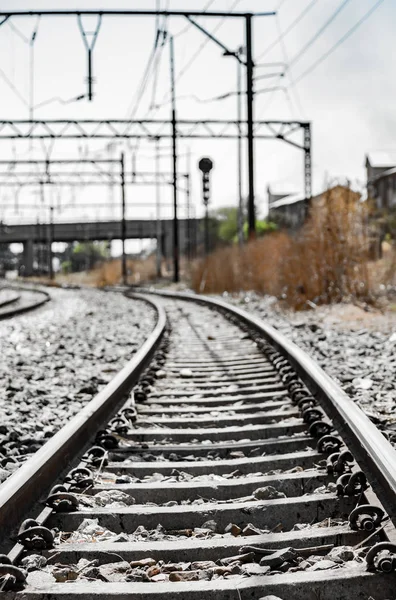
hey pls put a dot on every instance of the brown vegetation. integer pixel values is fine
(109, 273)
(326, 261)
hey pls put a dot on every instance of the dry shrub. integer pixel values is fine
(110, 273)
(139, 271)
(326, 261)
(383, 272)
(253, 267)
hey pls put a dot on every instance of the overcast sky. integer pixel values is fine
(348, 97)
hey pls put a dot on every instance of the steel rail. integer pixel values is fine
(373, 452)
(27, 485)
(7, 312)
(14, 297)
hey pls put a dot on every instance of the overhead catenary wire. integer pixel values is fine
(161, 37)
(138, 96)
(13, 88)
(340, 41)
(292, 25)
(18, 32)
(320, 31)
(288, 71)
(30, 41)
(197, 53)
(26, 40)
(31, 68)
(304, 49)
(134, 106)
(157, 65)
(187, 27)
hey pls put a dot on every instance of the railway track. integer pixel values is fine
(18, 300)
(234, 469)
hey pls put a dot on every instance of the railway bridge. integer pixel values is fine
(32, 234)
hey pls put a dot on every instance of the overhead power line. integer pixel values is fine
(320, 31)
(19, 33)
(194, 57)
(187, 27)
(340, 41)
(288, 29)
(139, 95)
(13, 88)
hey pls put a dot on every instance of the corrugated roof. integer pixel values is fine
(282, 189)
(383, 175)
(382, 158)
(288, 200)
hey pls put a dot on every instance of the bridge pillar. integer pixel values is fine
(28, 258)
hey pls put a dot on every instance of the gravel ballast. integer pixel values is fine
(55, 360)
(356, 346)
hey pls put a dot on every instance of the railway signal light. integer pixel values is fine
(206, 165)
(205, 188)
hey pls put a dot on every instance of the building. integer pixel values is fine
(381, 179)
(291, 211)
(286, 208)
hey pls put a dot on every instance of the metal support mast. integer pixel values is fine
(123, 222)
(174, 160)
(158, 232)
(307, 160)
(50, 241)
(250, 126)
(239, 118)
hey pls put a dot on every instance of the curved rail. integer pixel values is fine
(28, 483)
(21, 302)
(11, 297)
(258, 427)
(376, 456)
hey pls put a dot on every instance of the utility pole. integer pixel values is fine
(250, 130)
(123, 222)
(158, 206)
(239, 117)
(38, 245)
(188, 200)
(174, 160)
(50, 240)
(44, 258)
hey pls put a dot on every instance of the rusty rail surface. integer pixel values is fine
(371, 449)
(19, 493)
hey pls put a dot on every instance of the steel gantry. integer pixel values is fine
(12, 176)
(248, 63)
(120, 129)
(158, 129)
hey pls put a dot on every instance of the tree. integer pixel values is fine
(225, 225)
(85, 255)
(262, 227)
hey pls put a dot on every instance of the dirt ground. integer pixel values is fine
(350, 317)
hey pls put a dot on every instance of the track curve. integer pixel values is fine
(15, 301)
(222, 477)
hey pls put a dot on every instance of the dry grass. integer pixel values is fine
(327, 261)
(139, 271)
(110, 273)
(383, 272)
